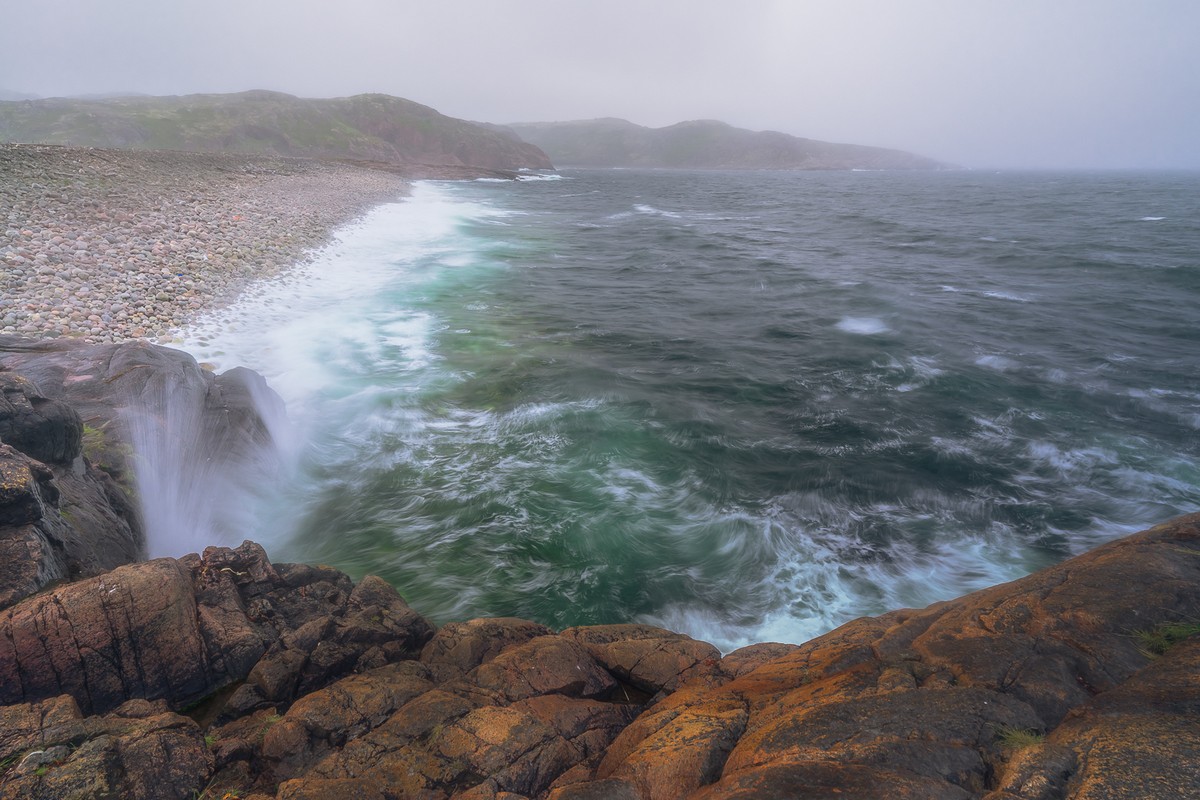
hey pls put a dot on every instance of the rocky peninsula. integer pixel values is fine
(222, 675)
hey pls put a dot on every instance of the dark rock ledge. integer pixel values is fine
(224, 675)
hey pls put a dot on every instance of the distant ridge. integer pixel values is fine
(701, 144)
(365, 127)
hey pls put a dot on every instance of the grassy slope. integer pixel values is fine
(370, 127)
(703, 144)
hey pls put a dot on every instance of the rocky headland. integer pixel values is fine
(702, 144)
(221, 674)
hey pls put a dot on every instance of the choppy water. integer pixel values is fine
(748, 406)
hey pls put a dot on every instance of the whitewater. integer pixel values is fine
(745, 406)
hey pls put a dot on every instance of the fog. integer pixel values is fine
(990, 83)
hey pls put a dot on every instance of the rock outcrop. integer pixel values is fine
(61, 516)
(1075, 682)
(71, 418)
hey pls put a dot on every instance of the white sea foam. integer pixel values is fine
(292, 329)
(642, 208)
(998, 363)
(1016, 298)
(863, 326)
(1151, 219)
(553, 176)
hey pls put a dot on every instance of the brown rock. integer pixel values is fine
(1141, 739)
(824, 780)
(326, 719)
(651, 659)
(916, 703)
(139, 750)
(330, 789)
(129, 633)
(545, 665)
(688, 751)
(181, 630)
(459, 647)
(512, 748)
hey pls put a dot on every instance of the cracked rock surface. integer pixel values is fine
(314, 687)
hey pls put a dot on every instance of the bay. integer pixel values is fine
(749, 405)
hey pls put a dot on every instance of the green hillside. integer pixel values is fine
(373, 127)
(702, 144)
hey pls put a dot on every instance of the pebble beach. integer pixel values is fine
(113, 245)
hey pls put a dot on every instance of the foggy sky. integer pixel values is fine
(982, 83)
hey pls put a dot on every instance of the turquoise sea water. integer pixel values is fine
(747, 406)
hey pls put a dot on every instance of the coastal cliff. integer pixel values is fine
(223, 675)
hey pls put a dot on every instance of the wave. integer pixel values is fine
(863, 326)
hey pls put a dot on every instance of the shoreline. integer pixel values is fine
(119, 245)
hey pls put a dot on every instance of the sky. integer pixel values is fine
(979, 83)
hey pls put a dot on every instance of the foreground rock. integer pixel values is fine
(1076, 682)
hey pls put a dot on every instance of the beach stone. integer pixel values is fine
(70, 202)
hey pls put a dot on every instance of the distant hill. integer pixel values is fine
(701, 144)
(368, 127)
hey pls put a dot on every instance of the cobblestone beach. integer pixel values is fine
(108, 245)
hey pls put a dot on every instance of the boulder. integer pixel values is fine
(46, 430)
(651, 659)
(180, 630)
(459, 647)
(140, 749)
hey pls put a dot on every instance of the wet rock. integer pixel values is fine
(46, 430)
(59, 517)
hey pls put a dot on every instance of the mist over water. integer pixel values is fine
(748, 406)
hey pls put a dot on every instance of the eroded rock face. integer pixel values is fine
(60, 517)
(1039, 689)
(179, 630)
(74, 415)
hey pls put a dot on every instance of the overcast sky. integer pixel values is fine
(1007, 83)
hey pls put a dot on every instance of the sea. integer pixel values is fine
(747, 406)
